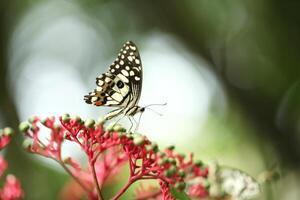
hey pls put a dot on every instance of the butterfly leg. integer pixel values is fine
(138, 122)
(113, 113)
(118, 120)
(129, 130)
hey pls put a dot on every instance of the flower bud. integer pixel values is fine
(8, 131)
(119, 128)
(152, 147)
(171, 171)
(56, 127)
(65, 117)
(31, 119)
(181, 173)
(162, 161)
(78, 119)
(198, 163)
(180, 185)
(171, 147)
(24, 126)
(101, 121)
(139, 140)
(161, 154)
(44, 121)
(172, 161)
(27, 143)
(89, 123)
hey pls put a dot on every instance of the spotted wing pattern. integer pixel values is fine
(121, 86)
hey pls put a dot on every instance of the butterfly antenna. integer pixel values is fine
(156, 104)
(155, 111)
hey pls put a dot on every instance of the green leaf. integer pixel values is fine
(179, 195)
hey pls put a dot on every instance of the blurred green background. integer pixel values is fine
(229, 71)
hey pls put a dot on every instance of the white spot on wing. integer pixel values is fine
(118, 97)
(131, 73)
(100, 82)
(137, 78)
(124, 72)
(123, 78)
(127, 68)
(121, 62)
(107, 79)
(94, 99)
(117, 66)
(137, 61)
(133, 48)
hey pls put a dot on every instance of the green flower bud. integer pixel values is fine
(119, 128)
(65, 117)
(171, 147)
(152, 147)
(181, 173)
(78, 119)
(198, 163)
(171, 172)
(138, 140)
(27, 143)
(43, 121)
(89, 123)
(101, 121)
(180, 186)
(24, 126)
(8, 131)
(162, 161)
(31, 119)
(161, 154)
(172, 161)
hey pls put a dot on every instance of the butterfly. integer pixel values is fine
(121, 85)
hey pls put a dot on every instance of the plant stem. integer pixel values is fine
(74, 177)
(100, 197)
(151, 195)
(124, 188)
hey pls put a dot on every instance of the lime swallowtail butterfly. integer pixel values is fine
(121, 85)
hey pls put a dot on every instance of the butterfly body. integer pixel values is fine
(121, 86)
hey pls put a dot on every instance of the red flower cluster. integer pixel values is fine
(11, 189)
(107, 150)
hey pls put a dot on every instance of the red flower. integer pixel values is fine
(198, 190)
(107, 150)
(12, 189)
(5, 136)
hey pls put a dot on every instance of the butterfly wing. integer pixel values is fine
(121, 85)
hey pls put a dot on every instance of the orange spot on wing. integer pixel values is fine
(98, 103)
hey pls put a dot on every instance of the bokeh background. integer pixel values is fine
(228, 71)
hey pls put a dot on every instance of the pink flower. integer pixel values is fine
(5, 137)
(198, 190)
(107, 150)
(12, 189)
